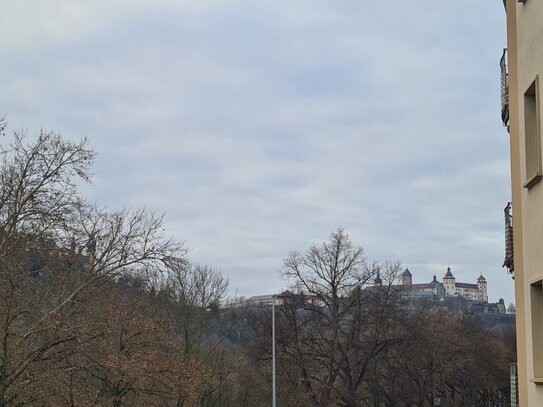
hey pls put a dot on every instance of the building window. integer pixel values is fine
(536, 294)
(532, 134)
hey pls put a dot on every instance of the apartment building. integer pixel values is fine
(522, 74)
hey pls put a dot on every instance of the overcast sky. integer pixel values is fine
(261, 126)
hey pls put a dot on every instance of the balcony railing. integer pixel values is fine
(504, 89)
(509, 261)
(513, 373)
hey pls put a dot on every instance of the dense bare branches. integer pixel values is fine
(38, 192)
(56, 249)
(123, 240)
(102, 308)
(330, 270)
(197, 285)
(345, 323)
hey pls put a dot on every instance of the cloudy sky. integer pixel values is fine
(261, 126)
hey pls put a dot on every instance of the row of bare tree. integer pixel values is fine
(97, 307)
(344, 341)
(101, 308)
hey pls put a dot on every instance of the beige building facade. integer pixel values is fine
(522, 114)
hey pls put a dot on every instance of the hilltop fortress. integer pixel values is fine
(448, 287)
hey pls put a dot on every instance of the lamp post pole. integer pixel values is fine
(273, 353)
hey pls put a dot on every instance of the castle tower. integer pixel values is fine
(437, 288)
(378, 280)
(482, 286)
(449, 283)
(407, 277)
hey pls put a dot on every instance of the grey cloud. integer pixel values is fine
(259, 127)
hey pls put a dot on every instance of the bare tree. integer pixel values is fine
(341, 321)
(54, 249)
(328, 275)
(37, 195)
(192, 295)
(126, 354)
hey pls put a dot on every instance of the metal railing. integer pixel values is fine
(504, 88)
(509, 261)
(513, 372)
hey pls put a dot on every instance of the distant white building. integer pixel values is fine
(282, 298)
(263, 300)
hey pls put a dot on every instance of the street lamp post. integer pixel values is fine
(273, 352)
